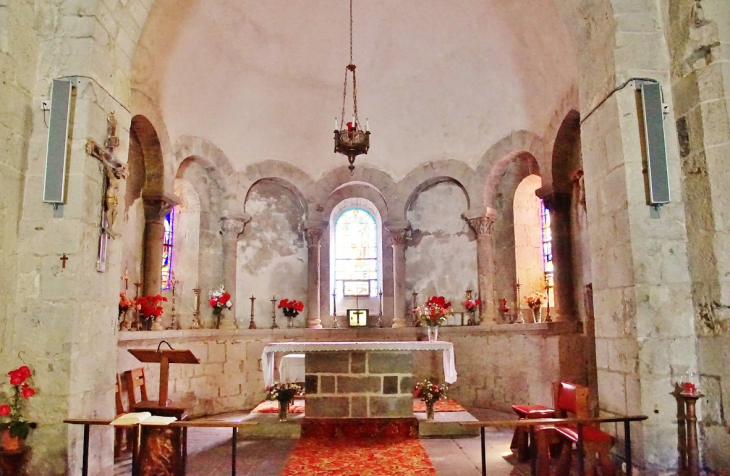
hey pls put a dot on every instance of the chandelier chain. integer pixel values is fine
(350, 67)
(350, 31)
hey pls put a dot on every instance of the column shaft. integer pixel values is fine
(559, 206)
(482, 223)
(314, 235)
(155, 211)
(398, 237)
(231, 229)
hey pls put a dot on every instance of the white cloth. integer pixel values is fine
(291, 368)
(267, 356)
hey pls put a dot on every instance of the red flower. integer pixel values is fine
(439, 301)
(225, 298)
(4, 410)
(28, 392)
(24, 371)
(283, 303)
(213, 302)
(16, 377)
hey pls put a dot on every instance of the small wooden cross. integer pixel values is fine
(126, 280)
(64, 258)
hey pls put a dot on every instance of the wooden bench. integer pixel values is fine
(520, 440)
(571, 400)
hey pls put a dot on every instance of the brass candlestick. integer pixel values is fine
(414, 305)
(137, 324)
(335, 322)
(173, 323)
(518, 309)
(547, 293)
(274, 325)
(379, 324)
(252, 324)
(196, 309)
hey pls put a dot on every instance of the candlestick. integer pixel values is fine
(379, 324)
(137, 323)
(518, 308)
(547, 293)
(196, 309)
(414, 305)
(273, 313)
(252, 324)
(335, 323)
(125, 278)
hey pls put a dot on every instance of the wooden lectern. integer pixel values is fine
(162, 445)
(164, 358)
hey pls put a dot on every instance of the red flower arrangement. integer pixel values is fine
(471, 305)
(291, 308)
(429, 392)
(219, 300)
(124, 303)
(17, 425)
(149, 308)
(434, 312)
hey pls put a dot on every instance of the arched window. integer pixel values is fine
(356, 254)
(547, 245)
(167, 249)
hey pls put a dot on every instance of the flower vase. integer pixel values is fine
(433, 333)
(536, 314)
(10, 443)
(290, 322)
(430, 410)
(283, 405)
(156, 324)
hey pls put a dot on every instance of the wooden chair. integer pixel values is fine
(520, 440)
(135, 378)
(571, 401)
(119, 432)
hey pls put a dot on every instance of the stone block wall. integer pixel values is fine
(359, 384)
(497, 366)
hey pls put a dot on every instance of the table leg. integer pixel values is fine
(532, 448)
(184, 449)
(627, 442)
(233, 450)
(85, 462)
(484, 452)
(581, 453)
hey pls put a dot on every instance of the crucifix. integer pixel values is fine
(114, 171)
(125, 278)
(64, 258)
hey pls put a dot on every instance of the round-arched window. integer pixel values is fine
(356, 254)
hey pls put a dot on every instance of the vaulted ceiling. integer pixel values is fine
(262, 79)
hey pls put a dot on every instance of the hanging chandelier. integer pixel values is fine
(350, 139)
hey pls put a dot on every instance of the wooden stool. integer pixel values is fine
(520, 440)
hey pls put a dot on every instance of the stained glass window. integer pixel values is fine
(167, 249)
(547, 244)
(356, 254)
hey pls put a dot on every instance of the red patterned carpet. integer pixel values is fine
(359, 457)
(419, 406)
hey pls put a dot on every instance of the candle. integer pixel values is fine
(353, 122)
(367, 125)
(689, 388)
(335, 123)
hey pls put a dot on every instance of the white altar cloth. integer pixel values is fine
(267, 356)
(291, 368)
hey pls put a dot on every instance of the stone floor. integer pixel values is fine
(209, 452)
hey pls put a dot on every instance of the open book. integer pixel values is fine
(142, 418)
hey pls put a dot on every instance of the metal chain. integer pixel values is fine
(350, 67)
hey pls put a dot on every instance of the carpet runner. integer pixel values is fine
(419, 406)
(359, 457)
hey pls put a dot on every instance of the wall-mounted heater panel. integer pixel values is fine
(54, 190)
(656, 147)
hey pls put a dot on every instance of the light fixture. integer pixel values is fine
(350, 139)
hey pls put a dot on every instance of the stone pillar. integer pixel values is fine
(231, 229)
(482, 221)
(562, 243)
(314, 231)
(155, 210)
(397, 232)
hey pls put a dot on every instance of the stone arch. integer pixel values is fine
(144, 134)
(566, 156)
(435, 172)
(143, 106)
(216, 164)
(520, 145)
(284, 173)
(378, 180)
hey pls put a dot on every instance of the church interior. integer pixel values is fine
(545, 174)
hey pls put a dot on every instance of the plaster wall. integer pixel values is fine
(272, 255)
(186, 254)
(528, 236)
(441, 251)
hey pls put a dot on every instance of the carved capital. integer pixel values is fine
(313, 230)
(481, 221)
(398, 231)
(157, 207)
(233, 226)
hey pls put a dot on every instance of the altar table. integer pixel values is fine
(267, 356)
(291, 368)
(358, 379)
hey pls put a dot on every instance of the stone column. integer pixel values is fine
(314, 230)
(482, 221)
(562, 243)
(155, 210)
(397, 232)
(231, 229)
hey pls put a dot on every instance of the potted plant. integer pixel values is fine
(150, 309)
(284, 393)
(15, 428)
(433, 314)
(430, 393)
(291, 309)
